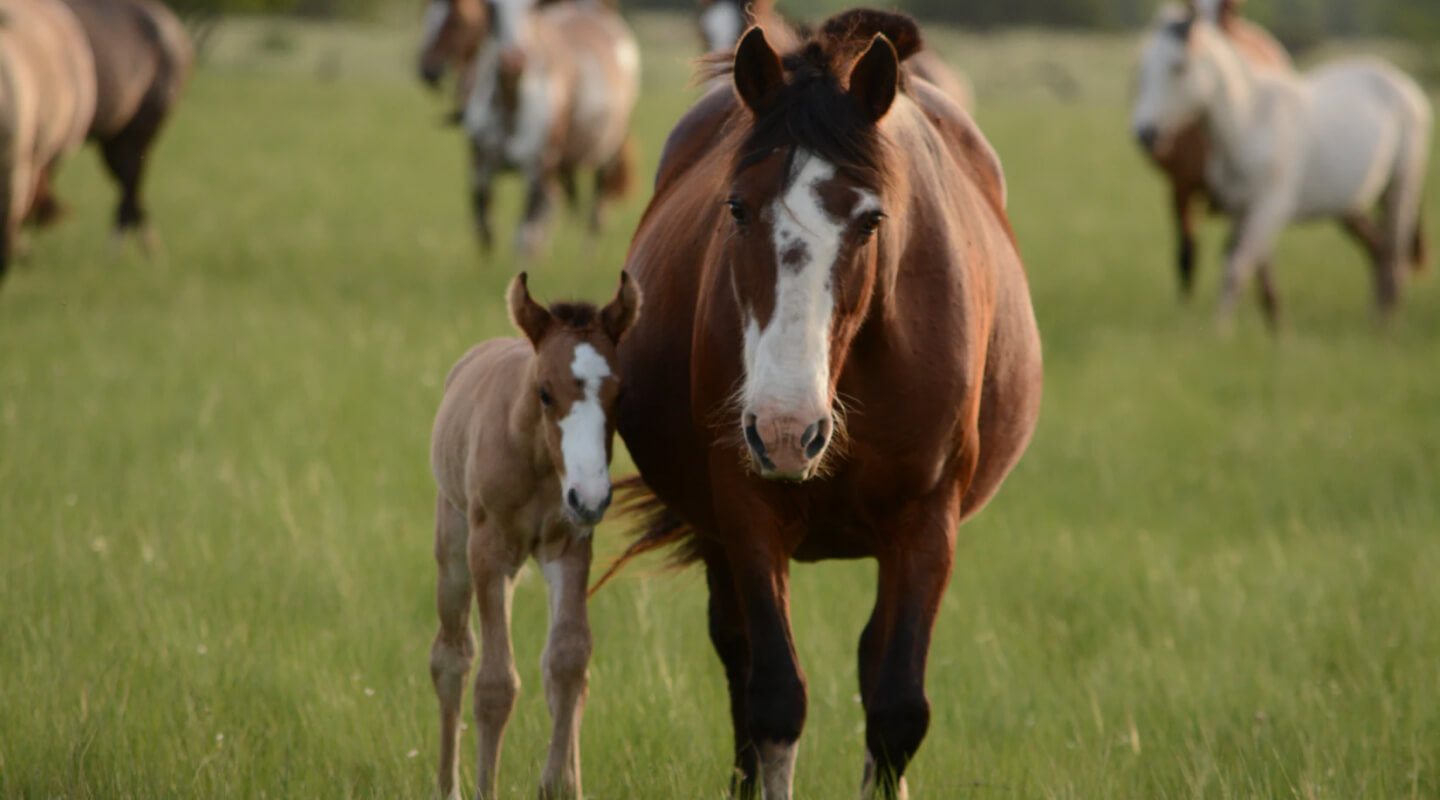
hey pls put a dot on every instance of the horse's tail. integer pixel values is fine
(658, 528)
(1419, 254)
(618, 175)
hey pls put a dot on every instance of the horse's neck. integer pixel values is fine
(1232, 106)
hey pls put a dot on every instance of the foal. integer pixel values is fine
(521, 453)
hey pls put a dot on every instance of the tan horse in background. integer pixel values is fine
(142, 57)
(46, 105)
(521, 456)
(722, 21)
(1182, 160)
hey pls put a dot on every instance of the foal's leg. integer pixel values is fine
(493, 567)
(564, 665)
(454, 649)
(896, 644)
(732, 644)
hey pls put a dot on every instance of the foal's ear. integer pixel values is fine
(876, 78)
(620, 313)
(758, 73)
(530, 317)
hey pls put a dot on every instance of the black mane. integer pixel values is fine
(815, 112)
(575, 315)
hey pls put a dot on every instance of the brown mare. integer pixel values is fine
(722, 21)
(839, 359)
(548, 91)
(1183, 160)
(47, 99)
(521, 455)
(143, 57)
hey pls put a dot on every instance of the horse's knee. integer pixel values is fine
(495, 697)
(776, 708)
(895, 725)
(567, 655)
(451, 656)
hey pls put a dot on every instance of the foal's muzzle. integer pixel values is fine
(587, 512)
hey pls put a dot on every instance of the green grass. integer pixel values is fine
(1213, 575)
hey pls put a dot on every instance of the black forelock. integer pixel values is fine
(575, 315)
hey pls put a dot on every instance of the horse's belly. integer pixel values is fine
(1347, 166)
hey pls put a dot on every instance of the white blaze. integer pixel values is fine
(721, 24)
(582, 432)
(787, 363)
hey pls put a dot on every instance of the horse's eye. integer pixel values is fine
(545, 399)
(871, 223)
(737, 211)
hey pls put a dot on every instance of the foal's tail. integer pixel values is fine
(658, 528)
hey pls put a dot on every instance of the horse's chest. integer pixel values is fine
(511, 132)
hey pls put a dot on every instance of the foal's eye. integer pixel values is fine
(871, 223)
(737, 211)
(545, 399)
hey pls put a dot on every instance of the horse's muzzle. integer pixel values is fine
(785, 447)
(1148, 136)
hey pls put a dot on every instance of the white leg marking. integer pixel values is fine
(777, 769)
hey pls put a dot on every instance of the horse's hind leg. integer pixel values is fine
(530, 238)
(47, 208)
(1269, 297)
(1252, 238)
(1400, 206)
(896, 643)
(564, 665)
(454, 649)
(493, 567)
(481, 176)
(125, 155)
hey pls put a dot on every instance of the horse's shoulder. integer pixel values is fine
(967, 143)
(1257, 45)
(695, 133)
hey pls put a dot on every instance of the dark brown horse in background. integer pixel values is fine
(143, 57)
(722, 21)
(1183, 161)
(839, 359)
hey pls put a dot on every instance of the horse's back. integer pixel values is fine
(478, 388)
(142, 53)
(928, 66)
(50, 39)
(1257, 46)
(607, 76)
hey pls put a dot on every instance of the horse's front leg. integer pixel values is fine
(493, 568)
(454, 648)
(1253, 238)
(732, 644)
(896, 643)
(564, 665)
(775, 701)
(482, 175)
(1184, 211)
(530, 238)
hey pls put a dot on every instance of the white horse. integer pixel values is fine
(554, 88)
(1334, 142)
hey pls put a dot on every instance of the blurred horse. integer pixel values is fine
(1183, 157)
(521, 455)
(721, 23)
(1332, 143)
(47, 101)
(142, 58)
(838, 359)
(549, 91)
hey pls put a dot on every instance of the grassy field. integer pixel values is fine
(1213, 575)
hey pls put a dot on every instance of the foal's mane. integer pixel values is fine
(575, 315)
(813, 111)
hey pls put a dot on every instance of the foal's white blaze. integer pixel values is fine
(787, 362)
(582, 433)
(721, 24)
(435, 15)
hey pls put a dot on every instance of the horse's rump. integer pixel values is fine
(142, 54)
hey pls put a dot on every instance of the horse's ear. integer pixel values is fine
(531, 318)
(620, 313)
(876, 78)
(758, 72)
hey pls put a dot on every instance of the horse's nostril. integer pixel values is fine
(573, 499)
(815, 438)
(757, 446)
